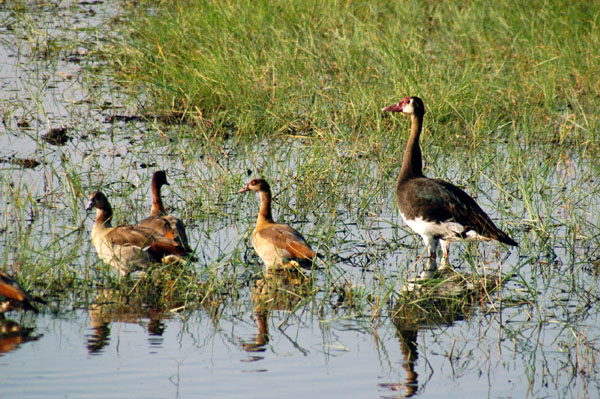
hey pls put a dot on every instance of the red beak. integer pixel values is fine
(243, 190)
(396, 107)
(393, 108)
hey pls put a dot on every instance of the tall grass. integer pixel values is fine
(325, 68)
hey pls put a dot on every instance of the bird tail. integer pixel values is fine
(505, 238)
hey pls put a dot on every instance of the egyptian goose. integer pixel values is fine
(159, 220)
(128, 248)
(435, 209)
(276, 244)
(13, 296)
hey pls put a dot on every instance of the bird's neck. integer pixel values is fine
(158, 209)
(264, 215)
(104, 216)
(412, 163)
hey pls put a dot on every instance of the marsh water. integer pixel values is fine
(280, 335)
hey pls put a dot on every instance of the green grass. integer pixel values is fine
(325, 68)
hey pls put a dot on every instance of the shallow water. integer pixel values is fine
(101, 346)
(198, 357)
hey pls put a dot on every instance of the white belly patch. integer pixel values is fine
(448, 230)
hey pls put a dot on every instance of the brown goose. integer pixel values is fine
(435, 209)
(159, 220)
(276, 244)
(128, 248)
(13, 296)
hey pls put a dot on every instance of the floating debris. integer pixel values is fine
(144, 165)
(124, 118)
(173, 118)
(22, 123)
(57, 136)
(28, 163)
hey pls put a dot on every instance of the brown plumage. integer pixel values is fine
(128, 248)
(435, 209)
(276, 244)
(159, 219)
(13, 296)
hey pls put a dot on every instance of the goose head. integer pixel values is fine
(408, 105)
(160, 178)
(259, 185)
(99, 201)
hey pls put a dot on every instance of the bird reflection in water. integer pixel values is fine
(277, 289)
(428, 308)
(408, 346)
(408, 320)
(12, 335)
(111, 305)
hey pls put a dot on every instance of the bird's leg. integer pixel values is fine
(445, 264)
(431, 245)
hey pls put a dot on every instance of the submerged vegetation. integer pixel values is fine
(220, 92)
